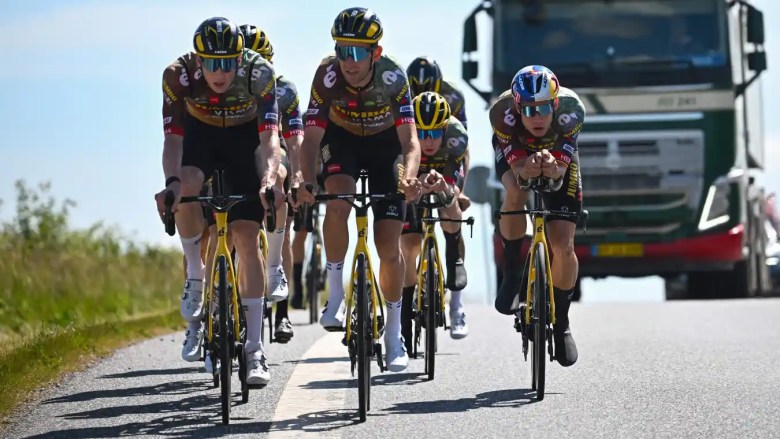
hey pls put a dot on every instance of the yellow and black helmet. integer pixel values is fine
(431, 111)
(257, 40)
(357, 25)
(217, 37)
(424, 75)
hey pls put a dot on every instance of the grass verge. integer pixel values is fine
(44, 359)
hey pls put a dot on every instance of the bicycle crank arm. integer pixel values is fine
(379, 357)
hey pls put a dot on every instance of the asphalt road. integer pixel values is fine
(672, 369)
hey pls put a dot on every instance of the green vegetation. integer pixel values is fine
(67, 294)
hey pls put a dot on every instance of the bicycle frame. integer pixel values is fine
(539, 236)
(429, 235)
(361, 218)
(222, 249)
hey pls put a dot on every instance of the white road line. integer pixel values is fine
(312, 402)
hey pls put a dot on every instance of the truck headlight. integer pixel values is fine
(716, 206)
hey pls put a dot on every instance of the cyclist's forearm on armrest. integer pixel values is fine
(173, 146)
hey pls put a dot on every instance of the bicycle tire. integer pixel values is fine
(431, 323)
(539, 319)
(241, 353)
(312, 281)
(225, 338)
(364, 337)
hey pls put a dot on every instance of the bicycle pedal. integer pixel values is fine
(344, 340)
(334, 328)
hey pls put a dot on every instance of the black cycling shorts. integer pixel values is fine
(205, 146)
(380, 154)
(567, 199)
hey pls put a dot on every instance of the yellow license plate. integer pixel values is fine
(619, 250)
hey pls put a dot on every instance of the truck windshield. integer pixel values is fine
(638, 42)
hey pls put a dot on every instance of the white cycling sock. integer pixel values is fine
(253, 309)
(191, 248)
(393, 326)
(335, 284)
(455, 301)
(275, 242)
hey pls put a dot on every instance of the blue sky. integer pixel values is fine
(81, 101)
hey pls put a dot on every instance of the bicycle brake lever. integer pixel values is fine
(168, 219)
(270, 216)
(470, 222)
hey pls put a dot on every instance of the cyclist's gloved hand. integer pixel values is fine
(531, 168)
(159, 198)
(434, 182)
(306, 193)
(412, 189)
(550, 167)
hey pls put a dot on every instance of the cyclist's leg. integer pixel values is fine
(411, 240)
(339, 172)
(298, 254)
(384, 163)
(456, 269)
(245, 219)
(283, 330)
(195, 331)
(564, 264)
(277, 277)
(196, 162)
(513, 230)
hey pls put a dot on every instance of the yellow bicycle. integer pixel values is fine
(535, 317)
(428, 309)
(364, 304)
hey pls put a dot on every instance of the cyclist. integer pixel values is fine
(360, 117)
(218, 101)
(444, 143)
(425, 75)
(535, 125)
(291, 131)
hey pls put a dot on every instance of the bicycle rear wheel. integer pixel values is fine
(539, 320)
(364, 340)
(431, 297)
(225, 338)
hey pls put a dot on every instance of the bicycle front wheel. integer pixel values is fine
(313, 280)
(431, 297)
(539, 320)
(364, 340)
(225, 337)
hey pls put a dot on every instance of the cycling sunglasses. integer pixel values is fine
(542, 109)
(224, 64)
(429, 134)
(357, 53)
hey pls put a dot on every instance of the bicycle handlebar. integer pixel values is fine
(217, 202)
(350, 197)
(582, 216)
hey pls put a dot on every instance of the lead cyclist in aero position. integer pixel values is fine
(543, 142)
(360, 117)
(291, 131)
(216, 101)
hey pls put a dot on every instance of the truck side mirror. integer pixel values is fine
(757, 61)
(470, 34)
(755, 25)
(470, 70)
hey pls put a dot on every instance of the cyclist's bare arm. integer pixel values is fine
(292, 127)
(316, 122)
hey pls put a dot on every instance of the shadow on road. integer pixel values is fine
(317, 360)
(170, 388)
(154, 372)
(498, 398)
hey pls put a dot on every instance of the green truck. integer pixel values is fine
(673, 137)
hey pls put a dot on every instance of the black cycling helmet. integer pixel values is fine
(431, 111)
(357, 25)
(424, 75)
(218, 37)
(257, 40)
